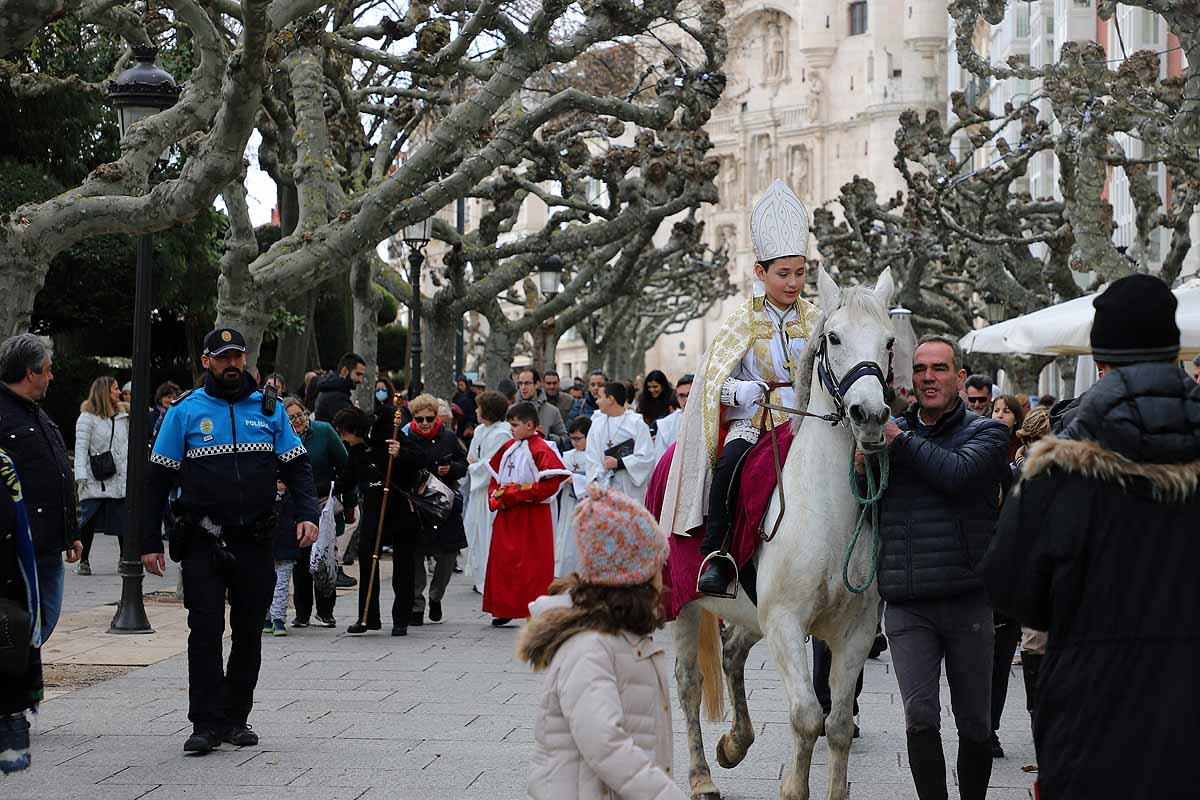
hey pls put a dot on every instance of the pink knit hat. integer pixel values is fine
(620, 543)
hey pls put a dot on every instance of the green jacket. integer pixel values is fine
(326, 453)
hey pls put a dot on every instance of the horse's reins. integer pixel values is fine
(837, 391)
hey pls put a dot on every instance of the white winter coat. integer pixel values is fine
(603, 728)
(91, 438)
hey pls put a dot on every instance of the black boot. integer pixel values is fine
(928, 764)
(974, 768)
(715, 579)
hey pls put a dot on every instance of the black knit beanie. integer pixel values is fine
(1135, 321)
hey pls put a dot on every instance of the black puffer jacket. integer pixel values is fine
(1098, 545)
(941, 505)
(36, 447)
(333, 394)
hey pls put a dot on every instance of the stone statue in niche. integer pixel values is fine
(799, 167)
(727, 239)
(764, 160)
(816, 92)
(729, 182)
(775, 53)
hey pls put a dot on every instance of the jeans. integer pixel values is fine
(50, 574)
(923, 632)
(221, 696)
(437, 586)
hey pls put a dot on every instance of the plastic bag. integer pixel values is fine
(323, 561)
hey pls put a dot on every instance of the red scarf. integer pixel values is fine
(433, 432)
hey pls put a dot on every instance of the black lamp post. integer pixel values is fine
(139, 92)
(416, 236)
(548, 275)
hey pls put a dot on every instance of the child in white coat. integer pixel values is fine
(603, 726)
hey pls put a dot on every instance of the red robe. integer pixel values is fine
(521, 560)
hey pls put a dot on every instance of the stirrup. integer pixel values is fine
(726, 595)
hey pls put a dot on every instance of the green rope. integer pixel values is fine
(870, 507)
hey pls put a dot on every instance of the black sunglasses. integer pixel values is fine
(424, 419)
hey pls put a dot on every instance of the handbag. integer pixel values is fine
(432, 498)
(15, 631)
(104, 466)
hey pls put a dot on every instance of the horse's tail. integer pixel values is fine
(708, 658)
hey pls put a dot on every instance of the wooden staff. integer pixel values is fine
(397, 421)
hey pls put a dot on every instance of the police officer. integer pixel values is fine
(224, 444)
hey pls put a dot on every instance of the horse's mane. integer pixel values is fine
(861, 302)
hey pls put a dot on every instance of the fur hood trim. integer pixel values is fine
(1169, 483)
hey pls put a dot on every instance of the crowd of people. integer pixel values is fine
(1009, 529)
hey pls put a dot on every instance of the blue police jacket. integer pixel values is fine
(225, 454)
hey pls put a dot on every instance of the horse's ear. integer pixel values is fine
(885, 287)
(829, 293)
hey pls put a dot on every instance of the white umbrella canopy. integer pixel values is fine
(1066, 329)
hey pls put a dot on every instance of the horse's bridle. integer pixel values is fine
(837, 391)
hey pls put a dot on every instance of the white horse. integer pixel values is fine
(799, 572)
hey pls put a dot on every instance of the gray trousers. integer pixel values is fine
(924, 632)
(443, 569)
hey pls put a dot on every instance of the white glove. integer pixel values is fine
(748, 393)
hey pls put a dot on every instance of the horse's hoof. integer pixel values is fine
(723, 758)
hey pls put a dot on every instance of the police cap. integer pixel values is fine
(223, 340)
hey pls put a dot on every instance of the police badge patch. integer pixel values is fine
(206, 426)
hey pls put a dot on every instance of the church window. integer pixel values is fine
(858, 17)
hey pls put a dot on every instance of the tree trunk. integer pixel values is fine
(497, 355)
(291, 351)
(439, 341)
(1023, 372)
(366, 323)
(551, 347)
(22, 277)
(245, 315)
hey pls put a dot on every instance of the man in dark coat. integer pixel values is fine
(36, 447)
(334, 391)
(938, 513)
(1098, 546)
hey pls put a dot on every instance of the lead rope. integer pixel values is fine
(870, 506)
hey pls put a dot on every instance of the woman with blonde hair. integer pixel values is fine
(101, 464)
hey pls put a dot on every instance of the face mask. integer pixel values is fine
(382, 395)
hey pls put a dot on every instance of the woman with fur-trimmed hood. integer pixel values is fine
(1099, 546)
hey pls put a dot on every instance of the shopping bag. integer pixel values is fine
(323, 561)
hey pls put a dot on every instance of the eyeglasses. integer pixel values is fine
(294, 417)
(424, 419)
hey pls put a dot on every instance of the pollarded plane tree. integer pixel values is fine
(370, 123)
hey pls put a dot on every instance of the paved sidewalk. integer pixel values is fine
(446, 712)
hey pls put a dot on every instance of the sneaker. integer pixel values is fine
(344, 581)
(268, 627)
(326, 622)
(14, 743)
(435, 611)
(299, 623)
(241, 735)
(84, 568)
(278, 628)
(201, 741)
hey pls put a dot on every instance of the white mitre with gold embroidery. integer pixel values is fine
(779, 224)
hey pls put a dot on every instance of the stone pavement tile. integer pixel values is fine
(441, 778)
(207, 771)
(282, 731)
(101, 792)
(50, 779)
(199, 792)
(366, 755)
(117, 726)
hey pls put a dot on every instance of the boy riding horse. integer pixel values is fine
(753, 358)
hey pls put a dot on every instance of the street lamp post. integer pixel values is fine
(139, 92)
(549, 275)
(416, 237)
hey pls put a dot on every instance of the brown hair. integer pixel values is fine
(1035, 426)
(607, 609)
(1013, 404)
(491, 406)
(99, 400)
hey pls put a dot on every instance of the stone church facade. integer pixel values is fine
(814, 95)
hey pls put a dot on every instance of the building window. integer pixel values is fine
(858, 18)
(870, 67)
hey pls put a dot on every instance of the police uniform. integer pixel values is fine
(224, 449)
